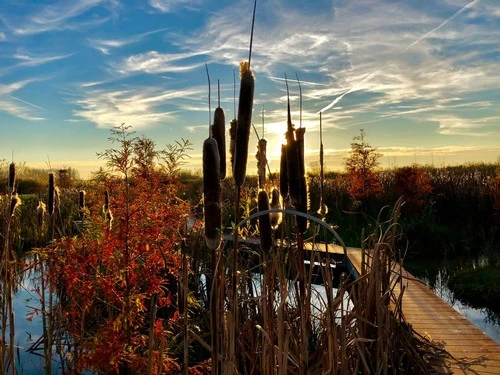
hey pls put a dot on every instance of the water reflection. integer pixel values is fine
(436, 277)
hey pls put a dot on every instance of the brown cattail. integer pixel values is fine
(105, 207)
(40, 213)
(219, 134)
(81, 203)
(266, 237)
(276, 217)
(299, 136)
(283, 173)
(293, 168)
(232, 140)
(57, 199)
(261, 162)
(15, 202)
(212, 193)
(245, 107)
(52, 192)
(12, 177)
(302, 202)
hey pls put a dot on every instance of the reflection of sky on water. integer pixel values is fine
(486, 320)
(27, 332)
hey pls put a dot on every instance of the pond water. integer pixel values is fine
(435, 275)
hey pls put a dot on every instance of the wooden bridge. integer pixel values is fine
(474, 352)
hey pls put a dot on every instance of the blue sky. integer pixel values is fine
(421, 77)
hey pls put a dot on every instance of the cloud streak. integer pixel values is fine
(141, 108)
(105, 45)
(57, 16)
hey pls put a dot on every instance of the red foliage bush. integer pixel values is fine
(107, 276)
(414, 184)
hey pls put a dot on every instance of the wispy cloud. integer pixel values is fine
(32, 60)
(140, 107)
(106, 45)
(3, 37)
(471, 127)
(40, 19)
(15, 106)
(166, 6)
(155, 62)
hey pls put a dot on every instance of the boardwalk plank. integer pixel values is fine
(431, 317)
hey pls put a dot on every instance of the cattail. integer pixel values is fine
(212, 193)
(12, 177)
(299, 136)
(105, 207)
(302, 203)
(276, 217)
(245, 107)
(261, 162)
(52, 192)
(232, 140)
(81, 203)
(57, 199)
(219, 134)
(40, 213)
(293, 168)
(15, 202)
(283, 173)
(266, 238)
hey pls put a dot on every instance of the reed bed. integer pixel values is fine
(286, 327)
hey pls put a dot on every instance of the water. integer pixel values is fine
(436, 277)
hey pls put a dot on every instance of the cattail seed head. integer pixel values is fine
(219, 134)
(212, 194)
(245, 107)
(292, 162)
(52, 193)
(12, 177)
(266, 237)
(57, 199)
(283, 173)
(276, 217)
(232, 140)
(300, 137)
(105, 207)
(15, 202)
(40, 213)
(261, 162)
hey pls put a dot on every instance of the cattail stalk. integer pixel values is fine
(12, 177)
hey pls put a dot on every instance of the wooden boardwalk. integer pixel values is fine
(430, 316)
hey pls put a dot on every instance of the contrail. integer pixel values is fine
(28, 103)
(304, 82)
(471, 4)
(426, 35)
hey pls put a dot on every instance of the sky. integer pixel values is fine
(421, 78)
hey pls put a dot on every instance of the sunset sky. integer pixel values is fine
(421, 77)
